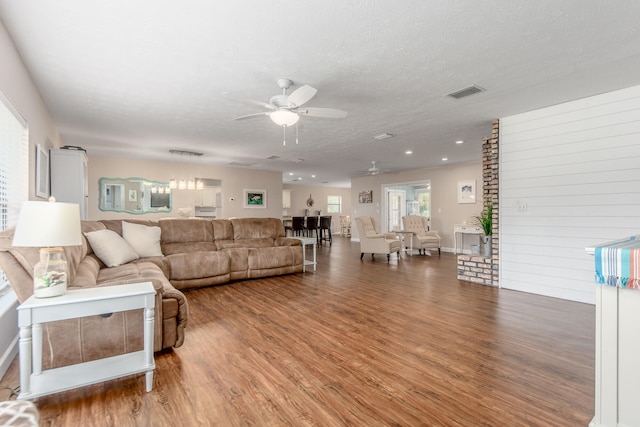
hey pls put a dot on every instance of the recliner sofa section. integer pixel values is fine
(195, 253)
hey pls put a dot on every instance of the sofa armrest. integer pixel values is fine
(375, 236)
(286, 241)
(169, 292)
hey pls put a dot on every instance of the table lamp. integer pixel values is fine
(49, 226)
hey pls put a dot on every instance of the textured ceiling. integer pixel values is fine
(138, 78)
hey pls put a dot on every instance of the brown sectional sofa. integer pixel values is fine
(196, 253)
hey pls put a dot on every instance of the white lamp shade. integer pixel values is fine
(48, 224)
(284, 117)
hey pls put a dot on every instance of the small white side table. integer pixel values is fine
(462, 229)
(35, 382)
(308, 241)
(404, 235)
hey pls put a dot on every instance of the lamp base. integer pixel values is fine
(50, 274)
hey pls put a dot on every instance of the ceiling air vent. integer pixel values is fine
(241, 164)
(273, 157)
(186, 153)
(466, 92)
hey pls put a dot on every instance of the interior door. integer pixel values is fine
(396, 208)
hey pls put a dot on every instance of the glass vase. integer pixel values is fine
(50, 274)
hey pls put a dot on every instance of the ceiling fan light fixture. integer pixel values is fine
(284, 117)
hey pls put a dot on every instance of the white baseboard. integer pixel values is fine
(7, 357)
(8, 331)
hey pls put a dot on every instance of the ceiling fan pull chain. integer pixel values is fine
(296, 133)
(284, 135)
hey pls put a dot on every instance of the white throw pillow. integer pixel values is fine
(110, 247)
(143, 239)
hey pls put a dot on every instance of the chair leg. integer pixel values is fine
(361, 255)
(388, 257)
(438, 251)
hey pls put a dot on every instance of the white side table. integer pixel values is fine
(403, 236)
(462, 229)
(308, 241)
(35, 382)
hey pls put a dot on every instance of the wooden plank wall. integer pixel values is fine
(569, 178)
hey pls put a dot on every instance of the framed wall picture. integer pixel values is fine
(467, 191)
(255, 199)
(42, 172)
(365, 196)
(133, 195)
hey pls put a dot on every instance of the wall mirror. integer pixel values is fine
(134, 195)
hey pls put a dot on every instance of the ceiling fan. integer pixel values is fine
(373, 170)
(287, 109)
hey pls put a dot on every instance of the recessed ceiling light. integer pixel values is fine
(460, 142)
(382, 136)
(444, 159)
(313, 176)
(408, 152)
(290, 173)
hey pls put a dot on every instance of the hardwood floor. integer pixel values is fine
(361, 343)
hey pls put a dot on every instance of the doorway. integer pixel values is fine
(411, 198)
(396, 200)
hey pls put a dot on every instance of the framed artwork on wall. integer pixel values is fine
(365, 196)
(133, 195)
(467, 191)
(42, 172)
(255, 199)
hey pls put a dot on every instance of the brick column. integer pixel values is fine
(476, 268)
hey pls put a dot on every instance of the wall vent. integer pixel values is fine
(466, 92)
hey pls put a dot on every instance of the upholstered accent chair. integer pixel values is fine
(374, 242)
(423, 239)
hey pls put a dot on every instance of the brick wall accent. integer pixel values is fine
(477, 268)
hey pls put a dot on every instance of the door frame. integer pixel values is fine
(384, 215)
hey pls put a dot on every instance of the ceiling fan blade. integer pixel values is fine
(302, 95)
(249, 101)
(327, 113)
(251, 116)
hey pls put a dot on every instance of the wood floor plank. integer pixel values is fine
(357, 343)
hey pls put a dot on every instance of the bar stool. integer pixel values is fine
(325, 228)
(297, 225)
(312, 226)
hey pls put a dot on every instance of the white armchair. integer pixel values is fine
(374, 242)
(422, 238)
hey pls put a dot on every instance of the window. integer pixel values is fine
(14, 170)
(334, 204)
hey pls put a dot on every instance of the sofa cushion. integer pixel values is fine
(266, 262)
(180, 235)
(143, 239)
(223, 233)
(112, 249)
(257, 232)
(194, 265)
(116, 224)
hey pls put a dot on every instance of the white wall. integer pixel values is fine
(569, 178)
(300, 194)
(18, 88)
(234, 182)
(446, 211)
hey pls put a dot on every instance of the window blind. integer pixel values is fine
(14, 169)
